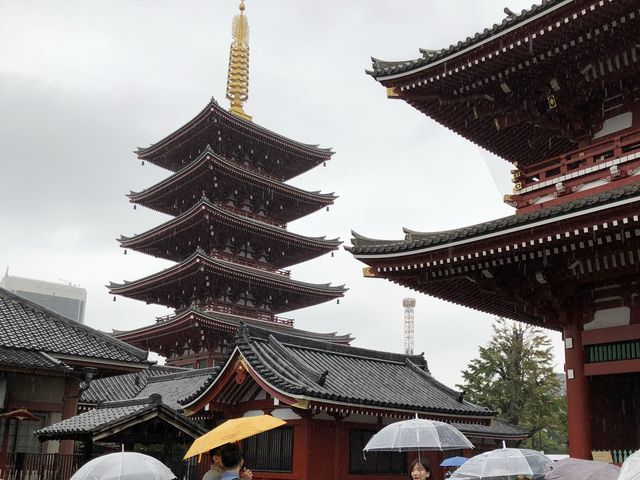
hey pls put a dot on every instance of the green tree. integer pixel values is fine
(513, 375)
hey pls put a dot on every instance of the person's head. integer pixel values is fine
(231, 456)
(419, 470)
(214, 453)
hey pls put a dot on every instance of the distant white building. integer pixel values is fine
(66, 300)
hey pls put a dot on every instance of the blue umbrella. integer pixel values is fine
(453, 461)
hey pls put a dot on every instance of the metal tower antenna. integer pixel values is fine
(408, 304)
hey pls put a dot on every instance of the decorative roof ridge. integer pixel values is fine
(204, 201)
(318, 377)
(360, 240)
(213, 106)
(382, 68)
(199, 372)
(212, 378)
(75, 326)
(320, 345)
(455, 394)
(503, 223)
(153, 399)
(274, 368)
(202, 158)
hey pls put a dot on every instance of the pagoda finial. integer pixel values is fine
(238, 78)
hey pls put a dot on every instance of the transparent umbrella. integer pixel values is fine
(124, 466)
(504, 464)
(575, 469)
(631, 468)
(418, 434)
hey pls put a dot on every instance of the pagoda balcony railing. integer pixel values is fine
(248, 262)
(253, 216)
(548, 170)
(613, 352)
(246, 312)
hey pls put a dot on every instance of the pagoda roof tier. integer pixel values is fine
(177, 238)
(539, 85)
(198, 275)
(217, 176)
(530, 267)
(234, 137)
(190, 323)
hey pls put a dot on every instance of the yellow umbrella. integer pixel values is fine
(232, 431)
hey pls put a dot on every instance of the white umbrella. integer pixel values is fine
(504, 464)
(418, 434)
(631, 468)
(124, 466)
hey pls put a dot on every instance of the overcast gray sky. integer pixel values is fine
(83, 83)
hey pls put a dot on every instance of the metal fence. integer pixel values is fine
(40, 466)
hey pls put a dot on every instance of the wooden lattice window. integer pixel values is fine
(382, 463)
(270, 451)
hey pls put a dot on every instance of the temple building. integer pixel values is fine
(554, 91)
(228, 235)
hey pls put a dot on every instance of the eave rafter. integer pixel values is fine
(593, 44)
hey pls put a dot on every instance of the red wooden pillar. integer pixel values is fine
(579, 428)
(69, 409)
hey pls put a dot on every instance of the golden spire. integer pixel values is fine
(238, 79)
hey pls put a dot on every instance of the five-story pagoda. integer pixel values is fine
(229, 234)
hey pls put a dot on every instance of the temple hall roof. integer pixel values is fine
(363, 246)
(382, 68)
(328, 373)
(124, 387)
(28, 327)
(111, 417)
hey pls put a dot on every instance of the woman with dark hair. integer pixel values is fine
(419, 470)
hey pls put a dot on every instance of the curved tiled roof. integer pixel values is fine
(356, 376)
(416, 240)
(383, 68)
(27, 326)
(201, 210)
(179, 388)
(110, 414)
(123, 387)
(234, 321)
(498, 428)
(249, 125)
(11, 357)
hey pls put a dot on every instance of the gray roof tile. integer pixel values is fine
(351, 375)
(123, 387)
(11, 357)
(25, 325)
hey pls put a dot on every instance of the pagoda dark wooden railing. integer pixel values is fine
(246, 312)
(612, 352)
(41, 466)
(252, 216)
(576, 160)
(263, 317)
(248, 262)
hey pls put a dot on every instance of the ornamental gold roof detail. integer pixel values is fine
(238, 77)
